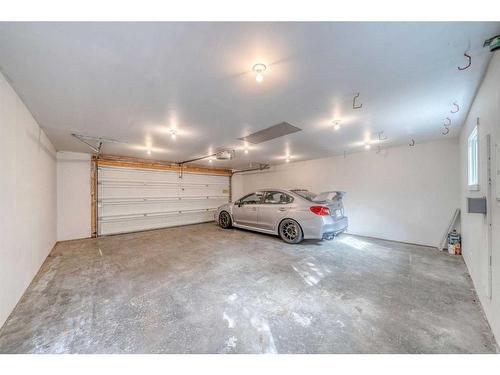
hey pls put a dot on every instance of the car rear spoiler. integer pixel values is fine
(330, 196)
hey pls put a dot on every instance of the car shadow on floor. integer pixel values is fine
(275, 237)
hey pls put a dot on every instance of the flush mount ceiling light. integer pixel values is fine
(259, 69)
(336, 124)
(173, 133)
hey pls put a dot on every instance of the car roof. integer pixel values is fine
(287, 191)
(273, 189)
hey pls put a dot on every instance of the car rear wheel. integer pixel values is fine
(290, 231)
(225, 220)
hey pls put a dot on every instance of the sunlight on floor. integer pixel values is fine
(354, 242)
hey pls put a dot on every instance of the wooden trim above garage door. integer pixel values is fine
(128, 162)
(120, 161)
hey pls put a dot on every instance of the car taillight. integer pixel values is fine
(320, 210)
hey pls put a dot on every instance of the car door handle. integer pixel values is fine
(253, 208)
(282, 209)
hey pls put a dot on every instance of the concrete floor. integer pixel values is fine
(201, 289)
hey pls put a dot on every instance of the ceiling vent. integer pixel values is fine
(275, 131)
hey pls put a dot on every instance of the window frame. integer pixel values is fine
(240, 201)
(290, 198)
(473, 159)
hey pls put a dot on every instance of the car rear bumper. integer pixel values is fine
(327, 228)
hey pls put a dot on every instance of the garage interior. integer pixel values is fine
(119, 142)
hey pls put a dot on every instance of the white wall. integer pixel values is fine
(73, 195)
(486, 108)
(403, 193)
(27, 198)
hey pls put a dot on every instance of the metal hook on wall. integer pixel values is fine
(468, 63)
(445, 132)
(456, 106)
(354, 106)
(412, 143)
(381, 136)
(449, 121)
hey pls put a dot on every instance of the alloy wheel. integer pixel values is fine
(224, 220)
(290, 231)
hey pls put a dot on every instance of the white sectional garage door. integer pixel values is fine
(130, 200)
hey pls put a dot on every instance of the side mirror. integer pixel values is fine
(238, 203)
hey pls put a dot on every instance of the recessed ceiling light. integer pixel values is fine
(336, 124)
(245, 151)
(367, 146)
(259, 69)
(148, 151)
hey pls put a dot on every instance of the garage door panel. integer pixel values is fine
(203, 178)
(129, 174)
(137, 191)
(111, 208)
(139, 199)
(133, 224)
(210, 190)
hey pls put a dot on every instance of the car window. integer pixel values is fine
(253, 198)
(277, 197)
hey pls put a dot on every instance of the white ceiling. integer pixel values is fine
(133, 81)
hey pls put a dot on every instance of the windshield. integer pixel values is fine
(306, 194)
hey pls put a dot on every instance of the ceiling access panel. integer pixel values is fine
(273, 132)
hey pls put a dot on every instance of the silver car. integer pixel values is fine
(294, 214)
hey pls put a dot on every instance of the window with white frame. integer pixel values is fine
(473, 161)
